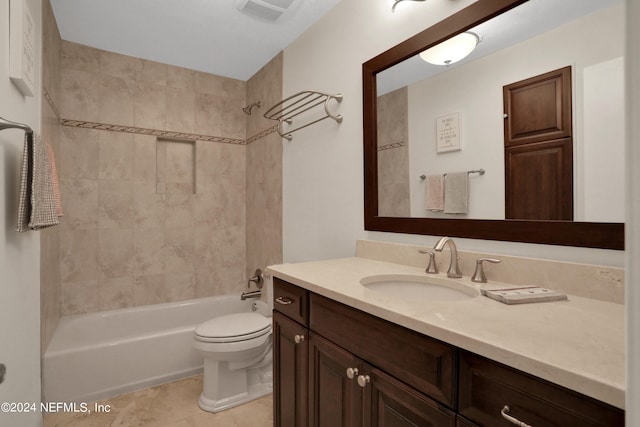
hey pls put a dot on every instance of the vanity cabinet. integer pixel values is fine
(338, 366)
(486, 387)
(290, 356)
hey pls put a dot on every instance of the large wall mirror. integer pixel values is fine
(412, 106)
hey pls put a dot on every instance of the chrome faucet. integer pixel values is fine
(454, 268)
(257, 279)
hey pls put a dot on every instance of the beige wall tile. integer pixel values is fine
(81, 95)
(78, 154)
(78, 255)
(80, 297)
(121, 66)
(180, 250)
(116, 209)
(179, 286)
(178, 210)
(148, 209)
(115, 293)
(149, 290)
(80, 204)
(116, 253)
(144, 168)
(181, 107)
(80, 57)
(208, 114)
(150, 105)
(150, 251)
(180, 78)
(116, 155)
(152, 72)
(116, 100)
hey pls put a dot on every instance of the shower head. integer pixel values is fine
(248, 108)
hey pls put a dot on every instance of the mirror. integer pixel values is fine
(404, 96)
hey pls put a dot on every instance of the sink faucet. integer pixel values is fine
(454, 268)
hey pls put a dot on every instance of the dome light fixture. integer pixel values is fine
(451, 50)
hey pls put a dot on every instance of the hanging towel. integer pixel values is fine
(456, 193)
(36, 206)
(435, 193)
(54, 180)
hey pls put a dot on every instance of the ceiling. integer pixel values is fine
(213, 36)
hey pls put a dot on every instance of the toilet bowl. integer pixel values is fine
(237, 360)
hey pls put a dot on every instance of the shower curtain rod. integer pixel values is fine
(8, 124)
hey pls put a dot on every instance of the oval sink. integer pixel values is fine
(414, 287)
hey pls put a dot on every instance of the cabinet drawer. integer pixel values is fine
(421, 362)
(291, 301)
(486, 387)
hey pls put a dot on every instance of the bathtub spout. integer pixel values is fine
(251, 294)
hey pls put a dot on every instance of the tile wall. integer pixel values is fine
(156, 163)
(393, 154)
(51, 133)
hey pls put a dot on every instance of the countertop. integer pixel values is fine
(578, 344)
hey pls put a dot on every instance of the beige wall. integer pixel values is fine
(264, 171)
(153, 165)
(51, 132)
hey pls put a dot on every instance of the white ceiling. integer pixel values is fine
(206, 35)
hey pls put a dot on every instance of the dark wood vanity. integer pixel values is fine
(338, 366)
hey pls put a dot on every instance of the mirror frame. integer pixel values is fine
(582, 234)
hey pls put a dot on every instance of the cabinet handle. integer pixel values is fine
(284, 300)
(511, 419)
(352, 372)
(363, 380)
(298, 339)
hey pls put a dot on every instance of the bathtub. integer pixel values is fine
(101, 355)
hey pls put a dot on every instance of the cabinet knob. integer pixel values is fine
(363, 380)
(511, 419)
(284, 300)
(298, 339)
(352, 372)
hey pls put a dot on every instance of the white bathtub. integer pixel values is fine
(100, 355)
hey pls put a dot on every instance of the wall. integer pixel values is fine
(323, 177)
(474, 89)
(19, 253)
(264, 171)
(153, 178)
(51, 132)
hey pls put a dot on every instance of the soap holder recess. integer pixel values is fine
(524, 295)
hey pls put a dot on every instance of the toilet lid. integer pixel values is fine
(234, 327)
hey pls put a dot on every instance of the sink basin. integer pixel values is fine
(417, 288)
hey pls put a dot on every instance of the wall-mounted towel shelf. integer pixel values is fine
(478, 171)
(8, 124)
(293, 106)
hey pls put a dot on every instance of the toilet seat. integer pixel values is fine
(235, 327)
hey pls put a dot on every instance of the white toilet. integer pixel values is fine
(237, 360)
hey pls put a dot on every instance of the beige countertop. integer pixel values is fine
(578, 344)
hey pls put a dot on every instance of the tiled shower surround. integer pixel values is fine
(170, 192)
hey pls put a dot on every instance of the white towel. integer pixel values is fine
(456, 193)
(36, 206)
(434, 197)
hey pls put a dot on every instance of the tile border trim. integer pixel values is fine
(164, 133)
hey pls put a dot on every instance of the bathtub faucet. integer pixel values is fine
(258, 281)
(251, 294)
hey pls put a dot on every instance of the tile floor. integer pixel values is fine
(174, 404)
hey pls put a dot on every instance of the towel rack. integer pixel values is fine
(293, 106)
(8, 124)
(478, 171)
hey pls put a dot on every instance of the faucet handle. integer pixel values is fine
(432, 268)
(478, 275)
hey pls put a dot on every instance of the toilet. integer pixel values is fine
(237, 360)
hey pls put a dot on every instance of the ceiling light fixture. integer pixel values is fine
(393, 8)
(451, 50)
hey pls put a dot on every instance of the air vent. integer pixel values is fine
(270, 10)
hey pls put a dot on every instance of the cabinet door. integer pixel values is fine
(291, 375)
(336, 400)
(488, 388)
(395, 404)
